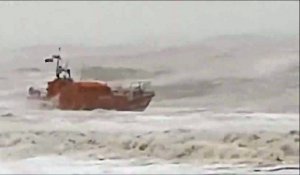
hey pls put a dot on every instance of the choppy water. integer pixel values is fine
(217, 101)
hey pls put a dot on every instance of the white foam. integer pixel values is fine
(64, 165)
(200, 63)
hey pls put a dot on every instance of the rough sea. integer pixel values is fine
(226, 104)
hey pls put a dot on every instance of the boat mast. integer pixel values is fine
(57, 63)
(59, 68)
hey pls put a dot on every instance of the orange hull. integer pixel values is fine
(94, 95)
(91, 95)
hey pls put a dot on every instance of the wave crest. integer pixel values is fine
(118, 73)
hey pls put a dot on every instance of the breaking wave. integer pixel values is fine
(231, 74)
(173, 145)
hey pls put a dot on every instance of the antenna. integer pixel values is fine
(57, 57)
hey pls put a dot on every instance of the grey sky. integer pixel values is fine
(104, 23)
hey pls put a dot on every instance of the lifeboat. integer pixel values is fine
(89, 95)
